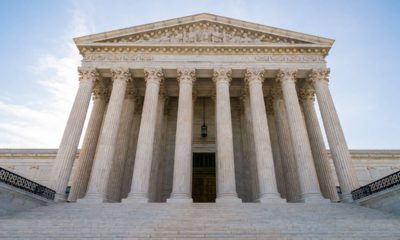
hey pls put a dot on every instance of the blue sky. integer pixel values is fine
(38, 59)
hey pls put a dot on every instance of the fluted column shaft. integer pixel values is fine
(268, 190)
(276, 151)
(251, 167)
(122, 144)
(88, 150)
(130, 161)
(97, 188)
(182, 180)
(226, 185)
(321, 160)
(155, 173)
(144, 151)
(337, 143)
(309, 185)
(66, 153)
(289, 165)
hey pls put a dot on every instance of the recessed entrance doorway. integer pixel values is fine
(203, 182)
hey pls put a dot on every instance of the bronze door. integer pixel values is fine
(204, 183)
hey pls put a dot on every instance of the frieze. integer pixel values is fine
(116, 57)
(290, 58)
(139, 57)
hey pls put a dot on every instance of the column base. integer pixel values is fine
(136, 198)
(271, 198)
(313, 198)
(179, 198)
(93, 198)
(346, 198)
(228, 199)
(58, 197)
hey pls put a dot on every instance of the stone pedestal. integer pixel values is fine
(66, 154)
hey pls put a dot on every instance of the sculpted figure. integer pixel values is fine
(217, 37)
(191, 36)
(245, 38)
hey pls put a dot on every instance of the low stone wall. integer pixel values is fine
(387, 200)
(14, 200)
(35, 164)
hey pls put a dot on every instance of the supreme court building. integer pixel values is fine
(203, 109)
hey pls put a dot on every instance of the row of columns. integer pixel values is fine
(303, 160)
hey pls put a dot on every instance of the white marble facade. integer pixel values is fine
(149, 85)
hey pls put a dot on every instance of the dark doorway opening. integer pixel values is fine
(203, 182)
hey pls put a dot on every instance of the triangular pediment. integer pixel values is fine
(203, 29)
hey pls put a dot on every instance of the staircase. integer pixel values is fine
(208, 220)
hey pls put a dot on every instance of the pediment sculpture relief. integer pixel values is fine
(205, 33)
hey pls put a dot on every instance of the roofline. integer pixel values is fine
(199, 17)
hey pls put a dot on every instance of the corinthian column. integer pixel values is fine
(226, 185)
(268, 191)
(273, 135)
(324, 171)
(86, 155)
(289, 165)
(337, 143)
(144, 152)
(182, 181)
(66, 154)
(130, 159)
(97, 189)
(122, 144)
(310, 191)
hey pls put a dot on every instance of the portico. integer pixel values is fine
(153, 86)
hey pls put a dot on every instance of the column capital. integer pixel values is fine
(130, 93)
(100, 93)
(153, 75)
(222, 75)
(286, 74)
(254, 75)
(319, 74)
(307, 93)
(121, 74)
(244, 93)
(276, 93)
(163, 92)
(195, 94)
(187, 75)
(269, 105)
(88, 74)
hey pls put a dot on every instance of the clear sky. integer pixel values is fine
(38, 60)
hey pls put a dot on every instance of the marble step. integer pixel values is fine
(194, 221)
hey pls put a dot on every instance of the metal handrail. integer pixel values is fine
(376, 186)
(20, 182)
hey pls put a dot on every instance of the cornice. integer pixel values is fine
(227, 35)
(176, 22)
